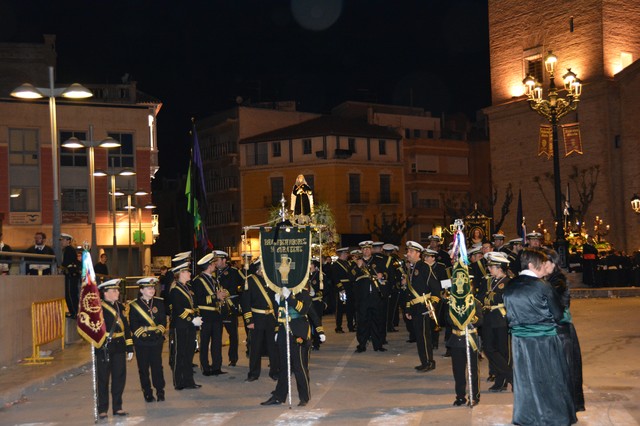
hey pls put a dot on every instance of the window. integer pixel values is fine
(28, 199)
(407, 133)
(124, 155)
(426, 164)
(76, 157)
(277, 149)
(382, 146)
(354, 188)
(416, 133)
(23, 147)
(385, 189)
(306, 146)
(352, 145)
(534, 68)
(75, 200)
(430, 134)
(277, 189)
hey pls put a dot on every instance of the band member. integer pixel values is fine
(422, 296)
(210, 297)
(375, 265)
(316, 283)
(394, 281)
(344, 290)
(71, 268)
(479, 273)
(117, 348)
(148, 323)
(231, 280)
(534, 240)
(299, 343)
(458, 344)
(541, 392)
(495, 333)
(184, 320)
(368, 295)
(500, 246)
(258, 302)
(435, 243)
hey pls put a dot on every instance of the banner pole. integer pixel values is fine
(286, 325)
(469, 378)
(95, 384)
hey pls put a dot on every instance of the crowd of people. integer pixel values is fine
(520, 320)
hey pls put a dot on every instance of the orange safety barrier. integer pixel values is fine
(47, 325)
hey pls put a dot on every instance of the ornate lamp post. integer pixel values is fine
(75, 91)
(553, 109)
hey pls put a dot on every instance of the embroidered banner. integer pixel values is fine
(285, 254)
(545, 145)
(572, 139)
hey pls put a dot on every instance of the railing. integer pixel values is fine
(392, 198)
(42, 263)
(357, 197)
(47, 325)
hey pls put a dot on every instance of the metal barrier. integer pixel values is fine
(47, 325)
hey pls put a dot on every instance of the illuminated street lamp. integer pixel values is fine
(553, 109)
(75, 91)
(635, 203)
(114, 193)
(129, 207)
(75, 143)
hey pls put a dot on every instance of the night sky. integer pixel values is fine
(199, 56)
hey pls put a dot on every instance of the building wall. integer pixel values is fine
(601, 31)
(78, 117)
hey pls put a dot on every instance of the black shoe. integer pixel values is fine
(271, 401)
(352, 330)
(491, 378)
(250, 379)
(302, 403)
(160, 395)
(431, 366)
(411, 341)
(149, 398)
(315, 347)
(339, 330)
(274, 377)
(422, 367)
(218, 372)
(193, 386)
(207, 372)
(232, 363)
(447, 354)
(120, 413)
(360, 349)
(459, 402)
(498, 387)
(380, 349)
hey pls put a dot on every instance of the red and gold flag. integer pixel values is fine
(545, 145)
(91, 324)
(572, 139)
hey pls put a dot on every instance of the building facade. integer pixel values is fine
(600, 41)
(26, 171)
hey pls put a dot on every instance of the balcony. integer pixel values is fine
(342, 154)
(392, 198)
(357, 198)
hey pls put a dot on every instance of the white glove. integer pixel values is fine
(322, 338)
(275, 337)
(129, 356)
(286, 292)
(277, 298)
(312, 292)
(197, 321)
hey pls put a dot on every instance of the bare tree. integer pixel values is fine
(585, 181)
(391, 229)
(547, 177)
(506, 204)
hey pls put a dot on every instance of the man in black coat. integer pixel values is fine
(39, 247)
(72, 269)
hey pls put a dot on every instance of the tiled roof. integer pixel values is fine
(325, 126)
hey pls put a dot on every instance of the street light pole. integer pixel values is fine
(75, 91)
(114, 255)
(553, 110)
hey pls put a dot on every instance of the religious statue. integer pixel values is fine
(302, 200)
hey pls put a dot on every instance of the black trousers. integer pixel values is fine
(150, 358)
(231, 325)
(460, 373)
(346, 309)
(263, 338)
(211, 343)
(299, 367)
(369, 321)
(495, 342)
(318, 307)
(116, 370)
(422, 332)
(184, 346)
(393, 310)
(72, 293)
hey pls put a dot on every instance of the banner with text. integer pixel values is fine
(285, 254)
(545, 145)
(572, 139)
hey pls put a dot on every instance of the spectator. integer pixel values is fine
(39, 247)
(101, 269)
(4, 267)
